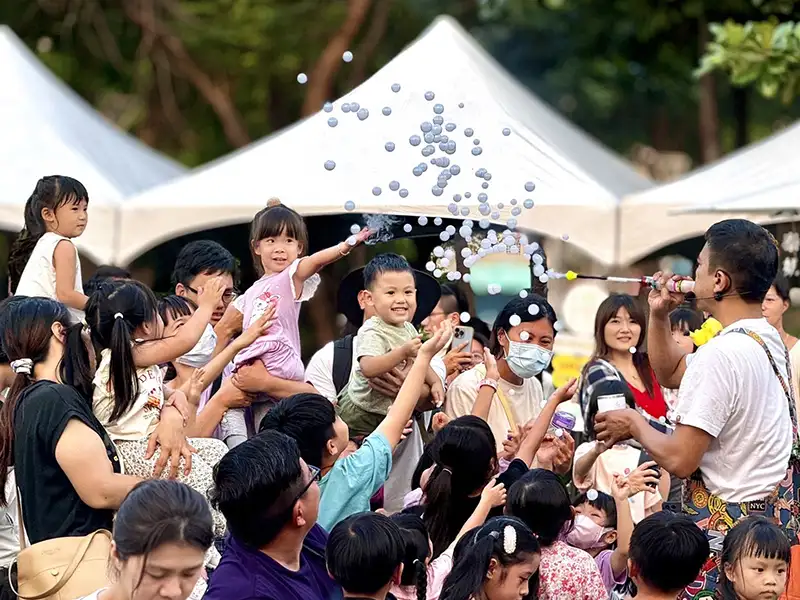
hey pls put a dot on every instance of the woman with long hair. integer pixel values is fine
(774, 306)
(161, 534)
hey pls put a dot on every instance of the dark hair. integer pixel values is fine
(520, 307)
(384, 263)
(606, 387)
(669, 551)
(417, 548)
(542, 502)
(254, 484)
(138, 306)
(607, 310)
(158, 512)
(306, 418)
(747, 253)
(482, 331)
(203, 257)
(782, 287)
(685, 319)
(603, 502)
(51, 192)
(273, 221)
(26, 331)
(363, 552)
(480, 546)
(102, 273)
(174, 307)
(753, 536)
(464, 462)
(453, 299)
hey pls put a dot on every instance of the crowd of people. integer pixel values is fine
(399, 462)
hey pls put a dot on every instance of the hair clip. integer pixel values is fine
(119, 316)
(509, 539)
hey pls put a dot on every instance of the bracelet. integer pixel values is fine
(492, 383)
(180, 412)
(347, 246)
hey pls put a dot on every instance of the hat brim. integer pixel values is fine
(428, 293)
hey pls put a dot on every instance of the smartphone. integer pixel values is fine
(611, 402)
(462, 336)
(655, 469)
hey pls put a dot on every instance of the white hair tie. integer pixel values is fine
(22, 365)
(119, 316)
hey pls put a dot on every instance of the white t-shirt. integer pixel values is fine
(730, 391)
(38, 279)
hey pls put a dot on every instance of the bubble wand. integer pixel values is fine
(682, 286)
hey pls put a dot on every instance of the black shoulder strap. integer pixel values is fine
(342, 362)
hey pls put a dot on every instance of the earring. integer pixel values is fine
(718, 296)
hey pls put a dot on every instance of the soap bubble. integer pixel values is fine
(476, 151)
(438, 108)
(511, 223)
(450, 127)
(525, 336)
(437, 191)
(455, 169)
(345, 108)
(565, 237)
(494, 289)
(327, 107)
(354, 106)
(302, 78)
(407, 228)
(437, 273)
(416, 171)
(347, 56)
(444, 236)
(351, 241)
(530, 186)
(538, 270)
(403, 194)
(428, 150)
(483, 197)
(429, 96)
(389, 146)
(436, 129)
(465, 252)
(349, 205)
(330, 165)
(453, 208)
(533, 309)
(438, 120)
(395, 87)
(394, 185)
(468, 132)
(414, 140)
(487, 176)
(445, 262)
(558, 326)
(449, 229)
(437, 221)
(544, 278)
(528, 203)
(467, 195)
(429, 137)
(495, 215)
(423, 221)
(513, 202)
(376, 191)
(425, 126)
(484, 209)
(430, 265)
(516, 211)
(514, 320)
(464, 211)
(523, 294)
(333, 122)
(362, 114)
(592, 495)
(460, 105)
(506, 132)
(476, 141)
(500, 206)
(485, 185)
(355, 228)
(386, 111)
(467, 277)
(632, 349)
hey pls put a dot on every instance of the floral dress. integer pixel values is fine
(568, 573)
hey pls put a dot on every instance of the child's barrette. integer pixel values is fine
(509, 539)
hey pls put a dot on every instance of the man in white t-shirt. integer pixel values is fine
(732, 416)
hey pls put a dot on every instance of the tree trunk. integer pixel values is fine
(708, 106)
(375, 33)
(741, 107)
(320, 80)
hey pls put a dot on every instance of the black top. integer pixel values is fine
(51, 507)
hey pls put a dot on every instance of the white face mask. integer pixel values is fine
(527, 360)
(201, 354)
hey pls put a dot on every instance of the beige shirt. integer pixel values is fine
(142, 419)
(525, 401)
(794, 358)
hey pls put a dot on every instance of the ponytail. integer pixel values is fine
(421, 572)
(22, 381)
(77, 369)
(415, 553)
(439, 502)
(123, 368)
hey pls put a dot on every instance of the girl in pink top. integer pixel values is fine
(278, 240)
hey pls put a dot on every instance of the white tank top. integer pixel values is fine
(39, 276)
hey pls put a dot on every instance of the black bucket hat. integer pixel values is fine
(428, 293)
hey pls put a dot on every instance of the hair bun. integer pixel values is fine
(273, 202)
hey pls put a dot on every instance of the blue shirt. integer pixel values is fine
(347, 488)
(245, 573)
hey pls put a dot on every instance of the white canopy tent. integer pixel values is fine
(578, 182)
(755, 182)
(47, 129)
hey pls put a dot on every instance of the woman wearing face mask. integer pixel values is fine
(521, 347)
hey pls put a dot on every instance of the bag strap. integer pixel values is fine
(342, 362)
(20, 525)
(80, 553)
(788, 389)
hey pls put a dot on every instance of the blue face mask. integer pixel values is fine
(527, 360)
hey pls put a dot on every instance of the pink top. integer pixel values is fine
(437, 572)
(567, 573)
(279, 348)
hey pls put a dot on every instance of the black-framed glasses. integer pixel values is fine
(228, 297)
(315, 476)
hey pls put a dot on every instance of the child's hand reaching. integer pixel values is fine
(642, 478)
(194, 387)
(494, 494)
(362, 236)
(258, 327)
(621, 488)
(566, 391)
(439, 421)
(490, 362)
(438, 340)
(437, 393)
(511, 444)
(412, 346)
(209, 295)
